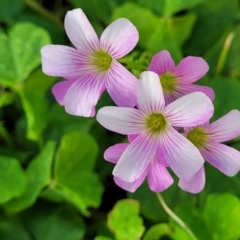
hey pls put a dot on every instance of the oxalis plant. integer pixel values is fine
(127, 117)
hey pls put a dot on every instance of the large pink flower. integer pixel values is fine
(156, 173)
(177, 81)
(208, 139)
(155, 122)
(92, 66)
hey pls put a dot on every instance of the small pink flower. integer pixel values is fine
(156, 173)
(154, 123)
(177, 81)
(208, 139)
(92, 66)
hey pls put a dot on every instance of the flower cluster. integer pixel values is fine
(150, 111)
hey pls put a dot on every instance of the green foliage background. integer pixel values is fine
(54, 182)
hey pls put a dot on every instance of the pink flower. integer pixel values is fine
(177, 81)
(154, 122)
(208, 139)
(92, 66)
(156, 173)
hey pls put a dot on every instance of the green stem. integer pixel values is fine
(224, 53)
(44, 12)
(174, 216)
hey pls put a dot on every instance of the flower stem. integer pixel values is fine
(174, 216)
(44, 12)
(224, 53)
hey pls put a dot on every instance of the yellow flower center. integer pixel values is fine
(169, 82)
(102, 60)
(156, 122)
(198, 137)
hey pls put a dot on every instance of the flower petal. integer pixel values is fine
(182, 156)
(60, 89)
(226, 127)
(80, 31)
(119, 38)
(162, 63)
(121, 120)
(190, 110)
(195, 184)
(135, 159)
(159, 178)
(222, 157)
(132, 137)
(149, 93)
(81, 98)
(131, 186)
(160, 158)
(62, 61)
(191, 69)
(113, 153)
(184, 89)
(121, 85)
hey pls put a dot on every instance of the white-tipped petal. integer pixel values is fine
(121, 120)
(149, 93)
(119, 38)
(190, 110)
(182, 156)
(226, 127)
(136, 158)
(80, 31)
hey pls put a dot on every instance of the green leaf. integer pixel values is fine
(150, 206)
(212, 17)
(153, 5)
(74, 163)
(7, 98)
(193, 218)
(12, 179)
(124, 220)
(143, 19)
(96, 10)
(50, 222)
(174, 6)
(171, 34)
(102, 238)
(221, 214)
(61, 123)
(157, 231)
(5, 136)
(10, 229)
(35, 105)
(224, 103)
(21, 52)
(9, 9)
(38, 176)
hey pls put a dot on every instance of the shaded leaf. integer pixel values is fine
(38, 175)
(54, 222)
(21, 52)
(12, 179)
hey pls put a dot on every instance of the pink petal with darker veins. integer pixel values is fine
(81, 98)
(60, 89)
(191, 69)
(195, 184)
(113, 153)
(162, 63)
(121, 85)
